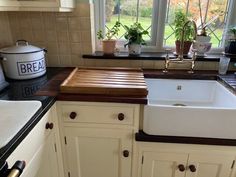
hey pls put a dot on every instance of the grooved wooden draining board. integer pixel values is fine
(105, 81)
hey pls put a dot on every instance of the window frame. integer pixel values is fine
(158, 26)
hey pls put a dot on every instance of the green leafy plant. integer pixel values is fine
(233, 32)
(180, 19)
(134, 34)
(110, 32)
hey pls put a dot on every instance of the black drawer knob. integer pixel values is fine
(73, 115)
(121, 116)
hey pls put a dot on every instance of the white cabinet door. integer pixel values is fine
(161, 164)
(210, 165)
(45, 161)
(41, 150)
(166, 164)
(94, 152)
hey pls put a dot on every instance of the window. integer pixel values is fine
(157, 16)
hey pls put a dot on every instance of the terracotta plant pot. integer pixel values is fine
(109, 46)
(187, 45)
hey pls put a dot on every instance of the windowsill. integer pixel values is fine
(148, 56)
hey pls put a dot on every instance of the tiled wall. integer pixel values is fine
(5, 34)
(66, 36)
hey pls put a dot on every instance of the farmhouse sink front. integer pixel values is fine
(191, 108)
(14, 115)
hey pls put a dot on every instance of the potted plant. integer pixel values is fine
(134, 36)
(180, 19)
(231, 46)
(108, 43)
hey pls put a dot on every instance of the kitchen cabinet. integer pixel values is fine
(41, 149)
(37, 5)
(169, 160)
(98, 152)
(157, 164)
(98, 138)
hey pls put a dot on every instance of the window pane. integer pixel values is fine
(216, 29)
(145, 16)
(212, 10)
(128, 12)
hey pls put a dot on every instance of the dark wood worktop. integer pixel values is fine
(142, 136)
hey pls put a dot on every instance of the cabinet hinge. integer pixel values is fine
(142, 159)
(65, 140)
(68, 174)
(55, 146)
(232, 166)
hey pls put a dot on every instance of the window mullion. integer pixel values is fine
(187, 7)
(159, 22)
(119, 12)
(206, 12)
(99, 19)
(229, 18)
(102, 15)
(137, 15)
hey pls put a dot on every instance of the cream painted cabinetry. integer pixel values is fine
(37, 5)
(98, 138)
(179, 160)
(41, 149)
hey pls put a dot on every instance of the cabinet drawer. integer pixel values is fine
(98, 113)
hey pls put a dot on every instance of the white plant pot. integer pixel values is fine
(202, 39)
(201, 47)
(134, 49)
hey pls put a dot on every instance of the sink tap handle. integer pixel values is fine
(167, 59)
(194, 57)
(167, 53)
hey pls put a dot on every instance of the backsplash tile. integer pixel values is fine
(5, 37)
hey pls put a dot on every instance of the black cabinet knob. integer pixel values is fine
(181, 167)
(121, 116)
(126, 153)
(192, 168)
(49, 125)
(73, 115)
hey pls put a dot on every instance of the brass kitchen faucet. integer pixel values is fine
(180, 58)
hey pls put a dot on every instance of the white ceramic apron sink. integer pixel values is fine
(23, 61)
(192, 108)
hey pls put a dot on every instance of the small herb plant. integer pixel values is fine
(134, 34)
(110, 32)
(233, 32)
(180, 19)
